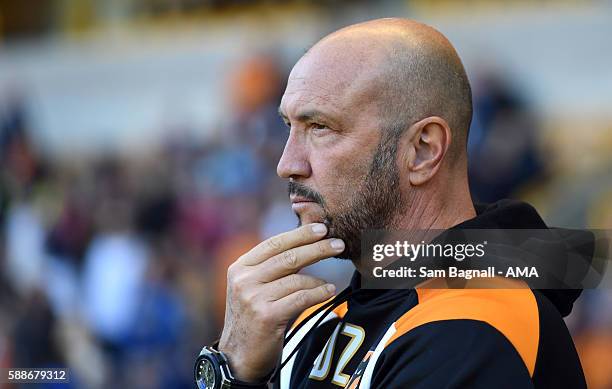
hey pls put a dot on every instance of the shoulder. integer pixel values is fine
(506, 316)
(460, 338)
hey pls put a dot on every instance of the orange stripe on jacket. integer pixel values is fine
(339, 310)
(513, 312)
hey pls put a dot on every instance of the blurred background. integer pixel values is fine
(139, 140)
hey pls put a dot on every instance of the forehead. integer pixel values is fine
(334, 77)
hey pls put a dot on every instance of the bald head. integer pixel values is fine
(378, 115)
(409, 70)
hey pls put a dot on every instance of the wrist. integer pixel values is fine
(239, 367)
(212, 371)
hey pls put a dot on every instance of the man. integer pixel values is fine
(379, 114)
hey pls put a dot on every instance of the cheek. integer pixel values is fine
(339, 180)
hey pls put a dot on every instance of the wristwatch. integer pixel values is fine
(212, 372)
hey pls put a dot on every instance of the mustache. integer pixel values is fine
(295, 188)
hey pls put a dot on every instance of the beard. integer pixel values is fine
(375, 205)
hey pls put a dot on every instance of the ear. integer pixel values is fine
(429, 140)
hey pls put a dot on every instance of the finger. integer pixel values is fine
(292, 305)
(283, 287)
(292, 261)
(283, 242)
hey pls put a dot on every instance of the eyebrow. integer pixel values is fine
(306, 116)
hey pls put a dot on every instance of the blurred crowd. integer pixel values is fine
(114, 266)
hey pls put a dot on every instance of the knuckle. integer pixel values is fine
(262, 315)
(322, 247)
(235, 288)
(302, 298)
(237, 282)
(249, 298)
(273, 244)
(289, 259)
(292, 282)
(256, 312)
(322, 292)
(306, 231)
(317, 282)
(267, 319)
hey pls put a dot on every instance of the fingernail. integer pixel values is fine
(331, 288)
(337, 244)
(319, 228)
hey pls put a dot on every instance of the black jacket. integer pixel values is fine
(439, 338)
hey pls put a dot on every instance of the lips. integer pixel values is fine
(300, 199)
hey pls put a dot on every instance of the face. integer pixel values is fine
(342, 168)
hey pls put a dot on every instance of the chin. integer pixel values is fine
(308, 218)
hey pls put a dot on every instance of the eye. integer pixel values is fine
(319, 128)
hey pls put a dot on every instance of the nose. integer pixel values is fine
(294, 161)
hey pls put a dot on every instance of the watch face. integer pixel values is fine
(207, 373)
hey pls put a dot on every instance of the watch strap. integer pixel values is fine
(227, 379)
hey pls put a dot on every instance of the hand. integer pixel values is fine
(264, 293)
